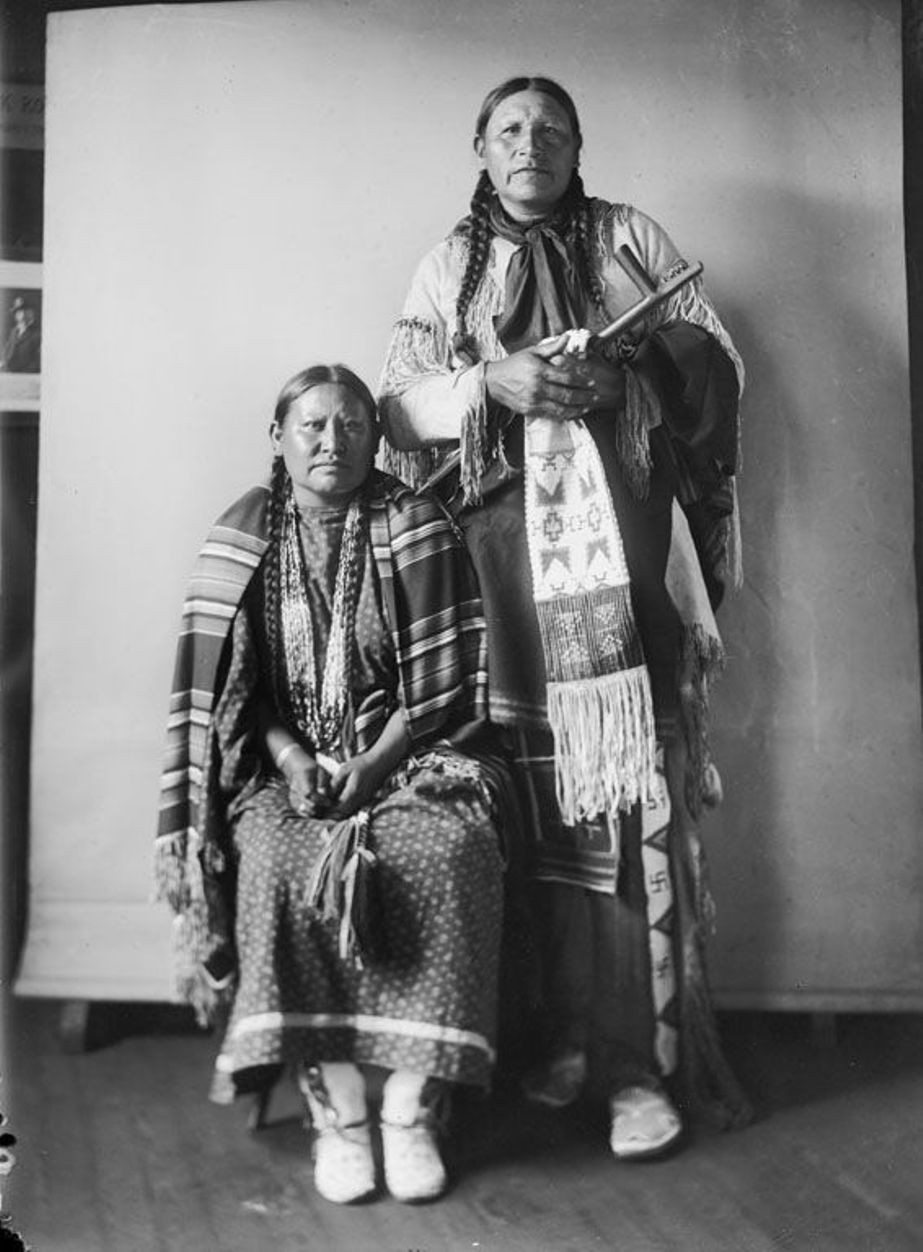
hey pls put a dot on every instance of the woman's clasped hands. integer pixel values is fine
(314, 790)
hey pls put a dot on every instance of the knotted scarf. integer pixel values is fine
(543, 293)
(600, 707)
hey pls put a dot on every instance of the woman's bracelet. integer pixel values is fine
(289, 747)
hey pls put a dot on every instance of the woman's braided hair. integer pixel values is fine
(279, 489)
(574, 210)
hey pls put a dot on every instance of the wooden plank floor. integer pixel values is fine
(119, 1151)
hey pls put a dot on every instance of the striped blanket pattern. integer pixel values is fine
(430, 602)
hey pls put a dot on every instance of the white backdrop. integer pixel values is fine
(236, 190)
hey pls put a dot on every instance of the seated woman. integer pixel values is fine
(332, 860)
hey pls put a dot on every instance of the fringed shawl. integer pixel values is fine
(433, 611)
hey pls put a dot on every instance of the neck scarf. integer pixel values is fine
(600, 707)
(543, 296)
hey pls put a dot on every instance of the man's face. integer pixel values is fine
(529, 151)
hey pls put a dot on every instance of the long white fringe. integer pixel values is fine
(605, 746)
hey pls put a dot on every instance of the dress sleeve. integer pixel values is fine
(428, 396)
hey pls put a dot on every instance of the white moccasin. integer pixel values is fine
(413, 1167)
(644, 1123)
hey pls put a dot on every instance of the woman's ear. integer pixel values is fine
(275, 436)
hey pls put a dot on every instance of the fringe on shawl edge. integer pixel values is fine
(179, 881)
(632, 444)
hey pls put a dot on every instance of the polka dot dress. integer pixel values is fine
(425, 998)
(426, 1001)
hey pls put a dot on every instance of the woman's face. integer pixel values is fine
(328, 442)
(529, 150)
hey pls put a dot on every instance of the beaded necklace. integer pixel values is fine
(319, 702)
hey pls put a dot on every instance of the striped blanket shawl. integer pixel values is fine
(433, 611)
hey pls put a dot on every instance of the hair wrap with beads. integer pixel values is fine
(278, 490)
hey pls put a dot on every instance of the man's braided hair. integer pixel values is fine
(574, 210)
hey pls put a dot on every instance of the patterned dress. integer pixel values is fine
(423, 995)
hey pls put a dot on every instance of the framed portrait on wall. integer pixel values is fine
(22, 171)
(20, 335)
